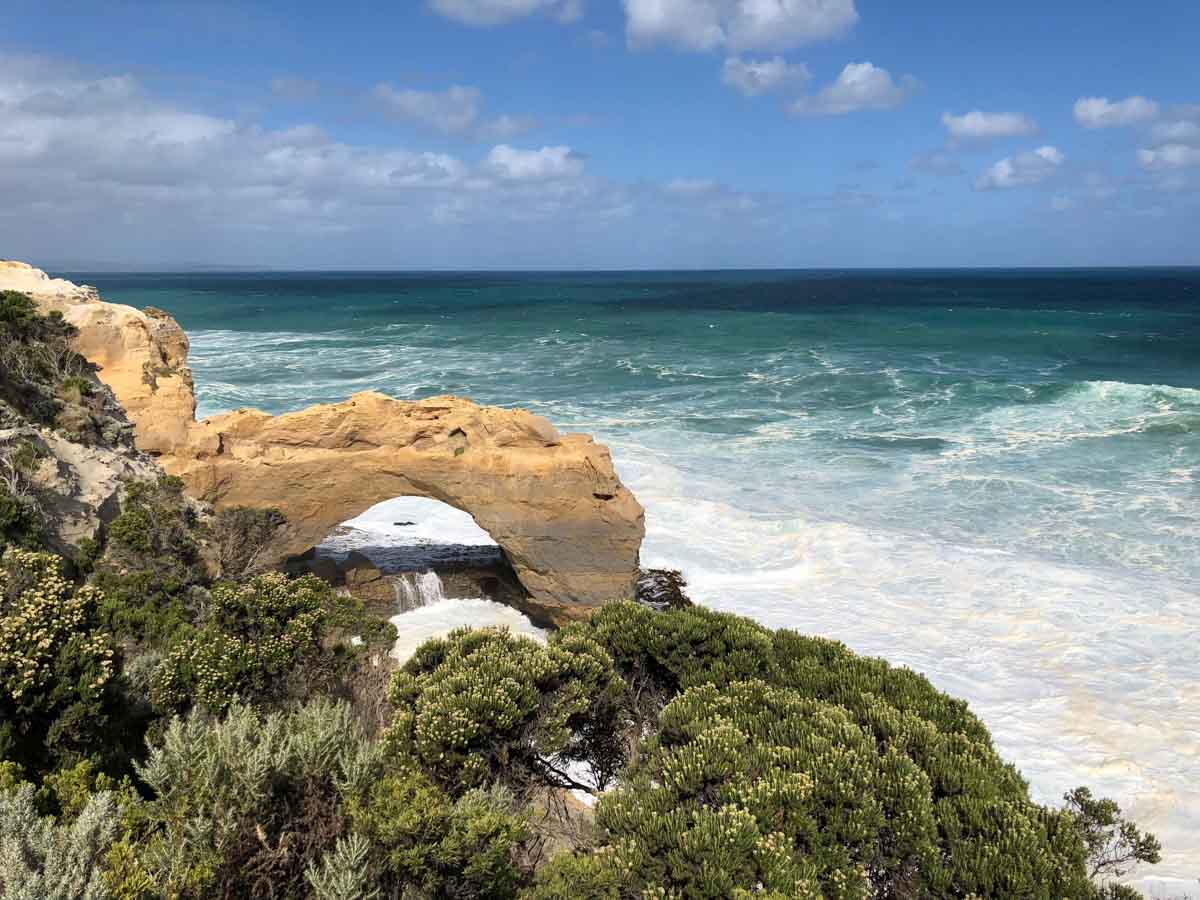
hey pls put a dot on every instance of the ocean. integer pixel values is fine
(992, 477)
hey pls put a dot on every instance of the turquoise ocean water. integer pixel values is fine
(992, 477)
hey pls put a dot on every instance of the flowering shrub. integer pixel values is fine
(56, 667)
(257, 633)
(788, 761)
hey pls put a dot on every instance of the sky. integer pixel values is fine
(533, 134)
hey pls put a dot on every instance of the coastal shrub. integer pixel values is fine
(151, 564)
(56, 666)
(579, 876)
(343, 873)
(264, 640)
(239, 535)
(659, 654)
(246, 805)
(486, 706)
(980, 831)
(45, 859)
(20, 524)
(20, 519)
(41, 375)
(753, 785)
(428, 844)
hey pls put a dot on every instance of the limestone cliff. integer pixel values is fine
(66, 445)
(553, 502)
(141, 354)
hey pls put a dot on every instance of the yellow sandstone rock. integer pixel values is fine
(570, 528)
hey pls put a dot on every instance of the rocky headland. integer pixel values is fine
(553, 502)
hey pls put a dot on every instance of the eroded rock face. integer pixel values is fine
(553, 502)
(77, 487)
(142, 354)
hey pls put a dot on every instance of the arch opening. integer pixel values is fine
(425, 564)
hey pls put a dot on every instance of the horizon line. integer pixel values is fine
(127, 269)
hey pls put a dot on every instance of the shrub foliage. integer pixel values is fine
(56, 665)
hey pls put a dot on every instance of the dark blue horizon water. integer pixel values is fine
(992, 476)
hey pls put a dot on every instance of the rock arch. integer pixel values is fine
(553, 503)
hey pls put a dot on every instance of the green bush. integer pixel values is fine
(56, 666)
(579, 876)
(257, 636)
(151, 564)
(753, 784)
(789, 761)
(43, 859)
(434, 846)
(20, 524)
(244, 806)
(484, 706)
(20, 519)
(659, 654)
(40, 374)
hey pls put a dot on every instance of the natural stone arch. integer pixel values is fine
(552, 502)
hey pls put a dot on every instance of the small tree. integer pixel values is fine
(1114, 844)
(151, 564)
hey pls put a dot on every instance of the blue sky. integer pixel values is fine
(600, 133)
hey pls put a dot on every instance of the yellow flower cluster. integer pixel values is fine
(43, 629)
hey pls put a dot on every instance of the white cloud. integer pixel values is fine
(452, 111)
(79, 148)
(714, 200)
(1177, 131)
(754, 77)
(504, 127)
(737, 24)
(1100, 112)
(860, 86)
(1021, 170)
(1169, 156)
(546, 164)
(498, 12)
(982, 126)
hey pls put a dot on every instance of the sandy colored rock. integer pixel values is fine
(554, 503)
(142, 354)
